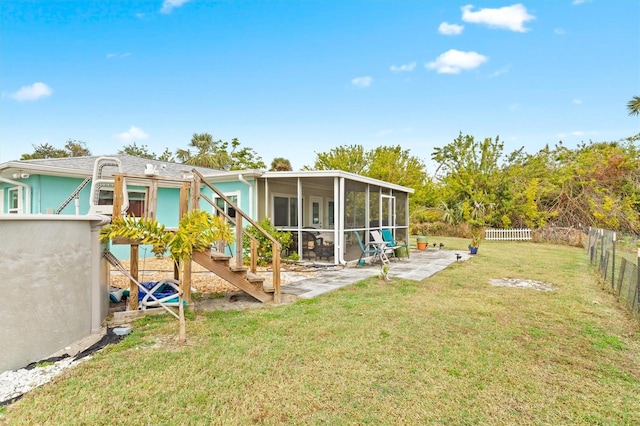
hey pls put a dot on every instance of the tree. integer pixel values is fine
(245, 158)
(280, 164)
(197, 230)
(634, 106)
(388, 163)
(216, 154)
(349, 158)
(137, 151)
(76, 148)
(72, 148)
(471, 178)
(143, 152)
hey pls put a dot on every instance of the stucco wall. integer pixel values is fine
(54, 284)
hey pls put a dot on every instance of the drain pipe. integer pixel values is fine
(246, 182)
(27, 192)
(339, 213)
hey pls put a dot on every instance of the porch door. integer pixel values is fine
(315, 212)
(387, 211)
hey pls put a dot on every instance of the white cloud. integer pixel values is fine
(134, 133)
(362, 81)
(31, 93)
(578, 2)
(169, 5)
(403, 68)
(450, 29)
(559, 31)
(118, 55)
(577, 101)
(577, 133)
(509, 17)
(453, 61)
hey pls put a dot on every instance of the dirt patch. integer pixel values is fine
(202, 280)
(209, 291)
(522, 283)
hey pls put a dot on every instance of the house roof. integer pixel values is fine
(336, 173)
(83, 166)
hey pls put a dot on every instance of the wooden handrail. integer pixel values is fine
(276, 247)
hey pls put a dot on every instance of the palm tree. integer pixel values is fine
(197, 231)
(280, 164)
(209, 153)
(634, 106)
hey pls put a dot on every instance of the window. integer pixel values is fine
(137, 201)
(15, 200)
(285, 211)
(226, 207)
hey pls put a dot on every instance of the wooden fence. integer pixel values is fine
(508, 234)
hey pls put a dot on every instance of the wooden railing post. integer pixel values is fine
(133, 267)
(186, 265)
(253, 260)
(118, 197)
(195, 193)
(275, 261)
(239, 261)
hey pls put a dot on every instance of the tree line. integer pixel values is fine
(474, 183)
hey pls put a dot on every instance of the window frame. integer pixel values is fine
(19, 207)
(230, 211)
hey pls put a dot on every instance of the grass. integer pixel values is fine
(449, 350)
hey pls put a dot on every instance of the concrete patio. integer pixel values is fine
(421, 265)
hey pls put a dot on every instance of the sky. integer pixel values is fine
(295, 78)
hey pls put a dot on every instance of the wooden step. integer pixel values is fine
(218, 256)
(239, 278)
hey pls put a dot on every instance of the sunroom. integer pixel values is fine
(328, 211)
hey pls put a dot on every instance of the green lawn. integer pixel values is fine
(448, 350)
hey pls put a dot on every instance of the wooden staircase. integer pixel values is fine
(241, 277)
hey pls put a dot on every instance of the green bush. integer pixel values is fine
(265, 251)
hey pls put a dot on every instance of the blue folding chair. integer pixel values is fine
(368, 249)
(388, 237)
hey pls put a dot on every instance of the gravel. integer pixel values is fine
(14, 384)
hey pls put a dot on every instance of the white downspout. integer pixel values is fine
(246, 182)
(340, 208)
(27, 192)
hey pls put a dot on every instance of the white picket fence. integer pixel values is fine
(507, 234)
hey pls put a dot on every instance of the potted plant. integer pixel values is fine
(475, 241)
(421, 242)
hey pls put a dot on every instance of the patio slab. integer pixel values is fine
(421, 265)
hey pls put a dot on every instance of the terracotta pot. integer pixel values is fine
(421, 241)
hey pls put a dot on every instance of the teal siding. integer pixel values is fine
(49, 192)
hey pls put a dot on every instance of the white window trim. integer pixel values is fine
(228, 195)
(18, 210)
(1, 200)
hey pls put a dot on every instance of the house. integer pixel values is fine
(322, 208)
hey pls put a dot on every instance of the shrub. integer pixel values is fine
(265, 251)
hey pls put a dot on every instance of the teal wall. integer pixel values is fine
(48, 192)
